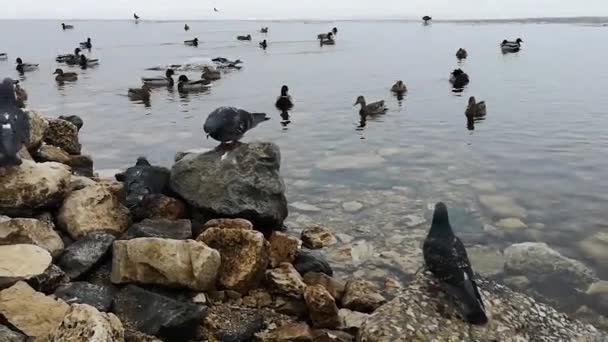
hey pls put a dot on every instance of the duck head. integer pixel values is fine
(472, 101)
(519, 41)
(183, 79)
(360, 100)
(77, 51)
(196, 40)
(284, 90)
(169, 73)
(19, 60)
(88, 40)
(58, 71)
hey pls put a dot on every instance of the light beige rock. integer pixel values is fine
(362, 295)
(24, 154)
(30, 231)
(84, 321)
(335, 287)
(19, 262)
(50, 153)
(283, 248)
(35, 314)
(352, 319)
(226, 223)
(286, 280)
(80, 182)
(245, 256)
(502, 206)
(511, 223)
(486, 260)
(598, 288)
(174, 263)
(318, 236)
(596, 247)
(321, 307)
(92, 209)
(38, 127)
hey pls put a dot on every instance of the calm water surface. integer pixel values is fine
(543, 144)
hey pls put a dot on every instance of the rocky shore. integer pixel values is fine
(200, 252)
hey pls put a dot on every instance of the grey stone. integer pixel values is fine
(8, 335)
(98, 296)
(85, 253)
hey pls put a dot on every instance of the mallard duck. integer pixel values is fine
(459, 79)
(372, 108)
(263, 44)
(193, 42)
(399, 87)
(328, 40)
(322, 36)
(508, 46)
(70, 58)
(139, 94)
(475, 109)
(461, 53)
(3, 56)
(334, 30)
(186, 27)
(264, 30)
(160, 81)
(284, 102)
(87, 44)
(426, 19)
(247, 37)
(184, 84)
(66, 27)
(210, 74)
(65, 76)
(25, 67)
(86, 62)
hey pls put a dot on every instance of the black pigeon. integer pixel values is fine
(14, 125)
(143, 179)
(446, 257)
(230, 124)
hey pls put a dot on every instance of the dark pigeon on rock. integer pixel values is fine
(80, 292)
(81, 256)
(229, 124)
(14, 126)
(446, 257)
(143, 179)
(309, 261)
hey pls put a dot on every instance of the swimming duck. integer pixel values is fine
(85, 62)
(65, 76)
(193, 42)
(264, 30)
(70, 58)
(139, 94)
(263, 44)
(475, 110)
(459, 79)
(284, 102)
(25, 67)
(3, 56)
(210, 74)
(426, 19)
(186, 27)
(224, 63)
(160, 81)
(399, 87)
(461, 53)
(66, 27)
(508, 46)
(87, 44)
(247, 37)
(372, 108)
(328, 40)
(184, 84)
(334, 30)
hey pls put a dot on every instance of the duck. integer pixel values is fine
(139, 94)
(399, 87)
(210, 74)
(475, 110)
(328, 40)
(284, 102)
(185, 85)
(263, 44)
(508, 46)
(247, 37)
(3, 56)
(193, 42)
(70, 58)
(186, 27)
(160, 81)
(462, 53)
(25, 67)
(334, 30)
(459, 78)
(426, 19)
(65, 76)
(264, 30)
(372, 108)
(87, 44)
(224, 63)
(85, 62)
(135, 16)
(66, 27)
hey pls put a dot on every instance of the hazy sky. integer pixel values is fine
(302, 9)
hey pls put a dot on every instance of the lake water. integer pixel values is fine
(542, 147)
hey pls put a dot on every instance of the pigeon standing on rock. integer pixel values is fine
(143, 179)
(14, 125)
(229, 124)
(446, 257)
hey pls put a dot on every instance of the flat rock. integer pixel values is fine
(226, 223)
(245, 256)
(243, 182)
(486, 260)
(49, 280)
(159, 206)
(596, 247)
(352, 206)
(173, 263)
(158, 315)
(38, 127)
(31, 312)
(84, 254)
(30, 231)
(362, 295)
(50, 153)
(96, 208)
(511, 223)
(63, 134)
(84, 320)
(303, 206)
(309, 261)
(335, 287)
(502, 206)
(160, 228)
(8, 335)
(321, 307)
(292, 332)
(286, 280)
(318, 237)
(232, 324)
(98, 296)
(283, 248)
(21, 262)
(353, 162)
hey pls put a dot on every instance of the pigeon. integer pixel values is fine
(141, 180)
(14, 125)
(446, 258)
(229, 124)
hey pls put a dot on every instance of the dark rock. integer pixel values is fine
(97, 296)
(159, 206)
(157, 315)
(8, 335)
(243, 182)
(233, 324)
(63, 134)
(74, 119)
(85, 253)
(143, 179)
(295, 307)
(309, 261)
(82, 166)
(166, 229)
(48, 281)
(101, 274)
(45, 217)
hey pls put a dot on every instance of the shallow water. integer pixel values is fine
(543, 144)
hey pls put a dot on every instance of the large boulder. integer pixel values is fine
(242, 182)
(84, 254)
(96, 208)
(32, 186)
(84, 321)
(173, 263)
(321, 307)
(98, 296)
(245, 256)
(30, 231)
(161, 228)
(21, 262)
(31, 312)
(63, 134)
(420, 312)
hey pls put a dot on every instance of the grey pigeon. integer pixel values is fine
(14, 125)
(230, 124)
(143, 179)
(446, 257)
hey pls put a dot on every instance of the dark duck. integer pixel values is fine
(284, 102)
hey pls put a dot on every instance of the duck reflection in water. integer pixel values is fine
(286, 120)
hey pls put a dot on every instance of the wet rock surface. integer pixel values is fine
(318, 237)
(309, 261)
